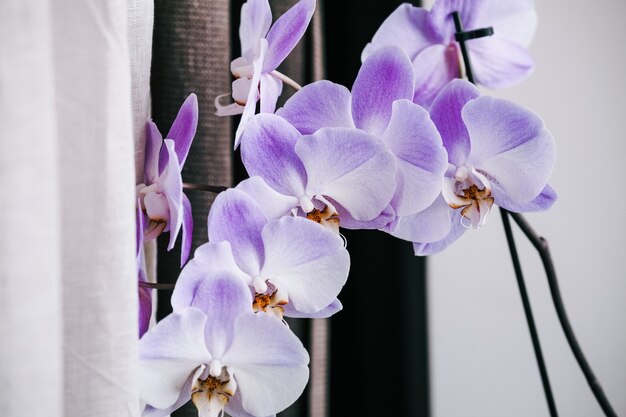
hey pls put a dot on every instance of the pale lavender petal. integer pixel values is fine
(515, 20)
(326, 312)
(350, 166)
(256, 18)
(187, 230)
(384, 77)
(270, 89)
(286, 32)
(317, 105)
(430, 225)
(236, 218)
(456, 231)
(184, 127)
(406, 27)
(380, 221)
(421, 159)
(145, 304)
(253, 94)
(446, 113)
(168, 354)
(273, 374)
(440, 18)
(267, 150)
(172, 185)
(498, 62)
(305, 261)
(234, 407)
(209, 260)
(273, 204)
(222, 297)
(434, 67)
(510, 146)
(154, 141)
(542, 202)
(185, 395)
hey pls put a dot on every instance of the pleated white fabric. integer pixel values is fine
(68, 282)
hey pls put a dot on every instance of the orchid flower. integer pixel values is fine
(222, 356)
(161, 195)
(335, 173)
(263, 48)
(498, 61)
(380, 105)
(498, 153)
(294, 266)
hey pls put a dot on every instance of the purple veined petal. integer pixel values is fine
(140, 222)
(378, 222)
(430, 225)
(317, 105)
(351, 167)
(168, 354)
(406, 27)
(384, 77)
(236, 218)
(222, 297)
(286, 32)
(456, 231)
(253, 94)
(326, 312)
(273, 204)
(267, 150)
(256, 19)
(172, 186)
(305, 261)
(440, 18)
(515, 20)
(510, 146)
(271, 376)
(145, 304)
(210, 260)
(499, 63)
(187, 230)
(434, 67)
(184, 127)
(446, 113)
(421, 159)
(542, 202)
(154, 141)
(270, 89)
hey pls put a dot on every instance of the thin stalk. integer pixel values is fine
(204, 187)
(291, 83)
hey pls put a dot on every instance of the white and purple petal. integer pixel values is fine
(273, 204)
(456, 231)
(171, 184)
(430, 225)
(187, 229)
(184, 128)
(434, 67)
(270, 88)
(256, 19)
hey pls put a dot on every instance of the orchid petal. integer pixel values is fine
(168, 353)
(456, 231)
(514, 20)
(184, 127)
(273, 374)
(434, 67)
(446, 113)
(542, 202)
(440, 18)
(187, 226)
(267, 150)
(499, 63)
(421, 159)
(270, 89)
(378, 222)
(430, 225)
(286, 32)
(351, 167)
(253, 94)
(510, 146)
(209, 260)
(324, 313)
(317, 105)
(172, 186)
(256, 18)
(406, 27)
(273, 204)
(236, 218)
(145, 304)
(154, 141)
(305, 261)
(234, 407)
(384, 77)
(185, 396)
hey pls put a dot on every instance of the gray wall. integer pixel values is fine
(482, 358)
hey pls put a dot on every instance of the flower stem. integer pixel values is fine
(204, 187)
(291, 83)
(156, 285)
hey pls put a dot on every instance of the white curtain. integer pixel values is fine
(68, 284)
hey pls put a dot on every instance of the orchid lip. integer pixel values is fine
(470, 191)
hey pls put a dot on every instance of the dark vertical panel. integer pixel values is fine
(191, 53)
(379, 341)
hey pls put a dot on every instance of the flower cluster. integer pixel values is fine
(410, 150)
